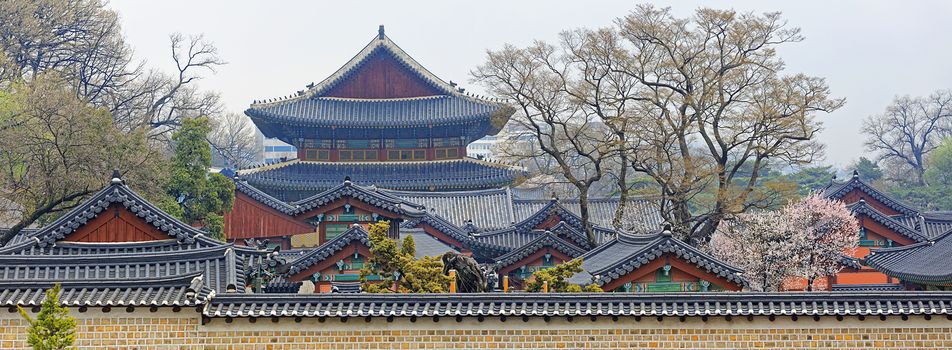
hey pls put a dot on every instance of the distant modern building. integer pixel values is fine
(276, 151)
(483, 148)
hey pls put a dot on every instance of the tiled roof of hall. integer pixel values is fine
(355, 233)
(368, 194)
(444, 103)
(487, 209)
(925, 262)
(456, 174)
(627, 252)
(498, 208)
(492, 244)
(601, 210)
(838, 190)
(547, 239)
(162, 271)
(930, 224)
(861, 207)
(116, 192)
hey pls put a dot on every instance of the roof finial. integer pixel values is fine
(855, 174)
(666, 229)
(347, 179)
(116, 177)
(380, 34)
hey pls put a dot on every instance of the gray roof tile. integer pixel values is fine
(583, 304)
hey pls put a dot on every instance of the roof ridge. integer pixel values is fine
(268, 167)
(377, 43)
(375, 100)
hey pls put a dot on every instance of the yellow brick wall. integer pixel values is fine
(165, 329)
(117, 329)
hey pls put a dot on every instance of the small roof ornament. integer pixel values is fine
(347, 180)
(666, 229)
(855, 174)
(380, 34)
(116, 177)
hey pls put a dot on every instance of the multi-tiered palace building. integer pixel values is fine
(382, 119)
(384, 139)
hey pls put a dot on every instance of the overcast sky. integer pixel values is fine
(869, 51)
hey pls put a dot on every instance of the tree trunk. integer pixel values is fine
(5, 237)
(583, 213)
(703, 233)
(623, 194)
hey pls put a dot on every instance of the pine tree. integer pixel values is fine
(397, 269)
(409, 246)
(201, 197)
(558, 279)
(53, 328)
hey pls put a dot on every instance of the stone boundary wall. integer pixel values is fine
(165, 329)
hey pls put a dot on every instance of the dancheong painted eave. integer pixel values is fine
(381, 88)
(295, 180)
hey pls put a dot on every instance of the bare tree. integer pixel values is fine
(909, 129)
(693, 103)
(574, 141)
(81, 40)
(716, 103)
(233, 139)
(176, 97)
(63, 149)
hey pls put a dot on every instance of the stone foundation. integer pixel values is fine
(165, 329)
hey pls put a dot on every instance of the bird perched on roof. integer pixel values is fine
(468, 274)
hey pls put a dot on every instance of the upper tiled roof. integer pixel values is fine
(361, 113)
(367, 194)
(626, 253)
(293, 180)
(925, 262)
(837, 191)
(435, 102)
(864, 208)
(582, 304)
(426, 245)
(601, 210)
(487, 209)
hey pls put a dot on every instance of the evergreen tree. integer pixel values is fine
(201, 197)
(408, 247)
(558, 279)
(868, 170)
(812, 178)
(53, 328)
(397, 266)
